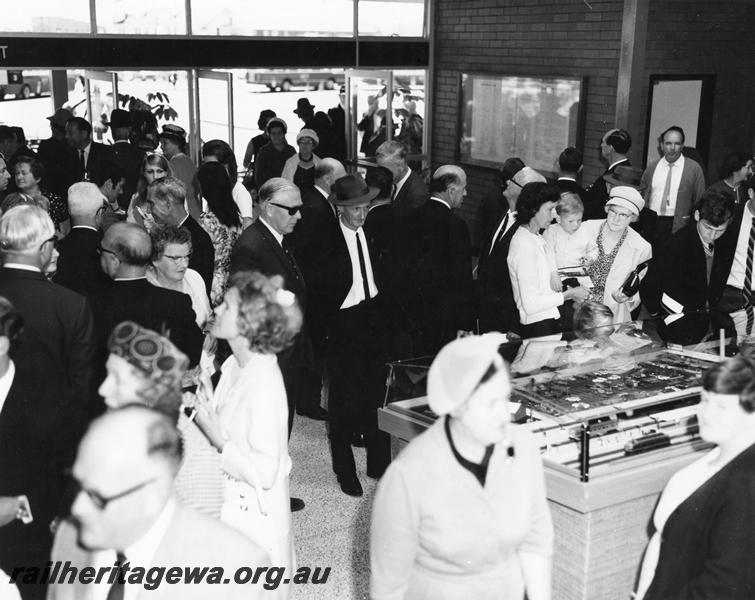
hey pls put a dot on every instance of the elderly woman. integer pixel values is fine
(153, 167)
(461, 513)
(246, 418)
(171, 252)
(704, 522)
(616, 251)
(144, 367)
(300, 168)
(29, 173)
(532, 265)
(221, 220)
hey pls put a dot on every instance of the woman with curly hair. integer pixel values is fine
(246, 418)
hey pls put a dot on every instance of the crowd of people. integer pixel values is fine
(161, 324)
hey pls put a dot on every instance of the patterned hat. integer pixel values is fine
(149, 352)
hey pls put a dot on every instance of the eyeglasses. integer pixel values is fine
(291, 210)
(619, 215)
(177, 259)
(515, 183)
(101, 251)
(101, 501)
(53, 240)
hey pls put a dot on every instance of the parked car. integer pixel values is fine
(286, 80)
(22, 84)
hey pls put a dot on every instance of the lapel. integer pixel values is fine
(291, 268)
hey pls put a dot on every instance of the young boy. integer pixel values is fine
(565, 237)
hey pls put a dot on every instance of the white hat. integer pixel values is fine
(310, 133)
(527, 175)
(628, 197)
(458, 369)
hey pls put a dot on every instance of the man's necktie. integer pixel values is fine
(500, 234)
(666, 191)
(117, 589)
(82, 165)
(291, 259)
(363, 269)
(747, 286)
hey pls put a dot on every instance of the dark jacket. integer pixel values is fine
(707, 545)
(411, 196)
(567, 185)
(203, 252)
(79, 263)
(129, 159)
(597, 194)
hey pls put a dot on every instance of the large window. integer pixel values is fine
(142, 17)
(46, 16)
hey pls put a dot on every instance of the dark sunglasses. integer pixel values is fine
(291, 210)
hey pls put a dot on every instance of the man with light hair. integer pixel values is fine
(79, 263)
(124, 515)
(409, 191)
(496, 308)
(166, 201)
(58, 336)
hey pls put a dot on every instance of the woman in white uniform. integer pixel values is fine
(247, 416)
(461, 513)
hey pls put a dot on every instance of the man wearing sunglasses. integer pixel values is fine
(123, 512)
(264, 247)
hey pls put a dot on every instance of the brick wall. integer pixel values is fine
(524, 37)
(566, 37)
(704, 37)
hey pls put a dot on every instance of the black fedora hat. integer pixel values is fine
(120, 118)
(303, 106)
(351, 190)
(625, 175)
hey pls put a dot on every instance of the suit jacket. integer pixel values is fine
(58, 336)
(97, 165)
(152, 307)
(79, 264)
(567, 185)
(411, 196)
(496, 307)
(691, 187)
(129, 158)
(597, 194)
(191, 540)
(203, 252)
(442, 276)
(706, 548)
(680, 272)
(56, 155)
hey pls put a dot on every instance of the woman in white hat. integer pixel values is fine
(461, 513)
(300, 168)
(617, 251)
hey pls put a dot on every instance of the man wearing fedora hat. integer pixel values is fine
(305, 111)
(55, 153)
(614, 146)
(127, 156)
(355, 349)
(173, 144)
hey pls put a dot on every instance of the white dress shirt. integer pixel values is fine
(5, 382)
(276, 235)
(243, 200)
(139, 554)
(509, 223)
(739, 263)
(356, 293)
(659, 184)
(21, 267)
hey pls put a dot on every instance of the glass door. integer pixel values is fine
(100, 91)
(214, 107)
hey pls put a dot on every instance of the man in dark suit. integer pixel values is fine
(125, 252)
(79, 263)
(165, 201)
(496, 308)
(127, 156)
(691, 274)
(409, 191)
(35, 451)
(569, 167)
(355, 339)
(614, 147)
(56, 154)
(495, 205)
(90, 159)
(124, 510)
(443, 264)
(58, 335)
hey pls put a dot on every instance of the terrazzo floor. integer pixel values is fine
(333, 529)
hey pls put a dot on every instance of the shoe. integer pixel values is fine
(316, 414)
(296, 504)
(351, 486)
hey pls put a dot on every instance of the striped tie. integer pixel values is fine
(747, 287)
